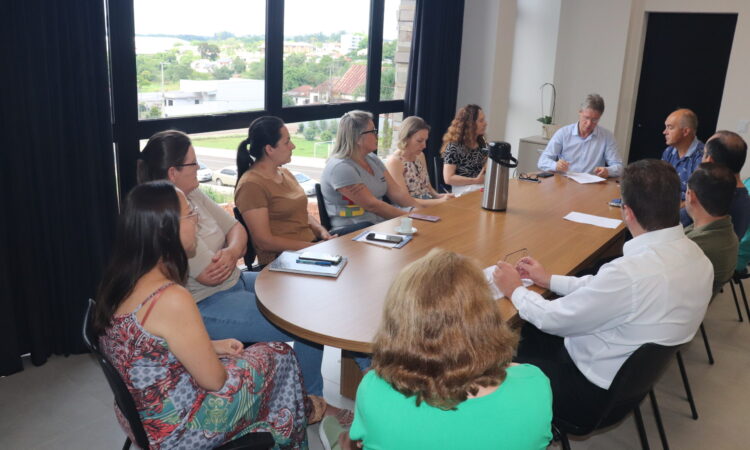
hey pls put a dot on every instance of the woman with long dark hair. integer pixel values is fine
(270, 199)
(464, 150)
(190, 391)
(225, 295)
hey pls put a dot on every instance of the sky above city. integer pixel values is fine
(247, 17)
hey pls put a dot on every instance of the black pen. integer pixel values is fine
(316, 263)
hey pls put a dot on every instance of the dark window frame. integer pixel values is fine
(128, 130)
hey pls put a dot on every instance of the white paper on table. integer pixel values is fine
(496, 294)
(461, 190)
(598, 221)
(584, 178)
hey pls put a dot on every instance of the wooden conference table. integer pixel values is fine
(345, 312)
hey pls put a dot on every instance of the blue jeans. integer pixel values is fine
(234, 313)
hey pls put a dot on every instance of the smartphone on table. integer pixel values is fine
(320, 257)
(616, 202)
(424, 217)
(382, 237)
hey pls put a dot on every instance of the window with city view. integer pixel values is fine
(203, 70)
(328, 63)
(192, 60)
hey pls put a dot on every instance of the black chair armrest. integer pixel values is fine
(261, 440)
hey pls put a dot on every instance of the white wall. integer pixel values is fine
(590, 56)
(504, 75)
(485, 35)
(533, 65)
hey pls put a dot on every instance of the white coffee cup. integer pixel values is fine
(405, 226)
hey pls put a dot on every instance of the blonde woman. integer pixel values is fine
(442, 376)
(355, 180)
(464, 150)
(407, 164)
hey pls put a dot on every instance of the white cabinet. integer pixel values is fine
(529, 149)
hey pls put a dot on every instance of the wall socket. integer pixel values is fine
(743, 125)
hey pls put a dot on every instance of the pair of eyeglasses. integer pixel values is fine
(373, 131)
(187, 165)
(528, 177)
(512, 258)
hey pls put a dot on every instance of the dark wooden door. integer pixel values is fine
(685, 61)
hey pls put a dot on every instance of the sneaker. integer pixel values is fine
(329, 431)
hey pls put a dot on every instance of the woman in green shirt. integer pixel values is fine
(442, 376)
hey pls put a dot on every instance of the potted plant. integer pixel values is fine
(547, 120)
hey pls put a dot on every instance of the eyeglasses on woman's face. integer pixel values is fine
(373, 131)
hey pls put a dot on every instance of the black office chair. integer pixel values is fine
(633, 382)
(324, 219)
(737, 279)
(250, 252)
(126, 404)
(686, 384)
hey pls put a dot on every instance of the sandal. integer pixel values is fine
(317, 409)
(345, 417)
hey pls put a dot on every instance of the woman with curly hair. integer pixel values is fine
(442, 376)
(464, 150)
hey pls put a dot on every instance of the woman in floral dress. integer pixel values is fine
(191, 392)
(408, 166)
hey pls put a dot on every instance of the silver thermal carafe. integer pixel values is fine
(495, 196)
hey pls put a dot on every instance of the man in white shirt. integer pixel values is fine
(656, 292)
(583, 146)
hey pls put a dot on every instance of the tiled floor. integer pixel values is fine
(66, 403)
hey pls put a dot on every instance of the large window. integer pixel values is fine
(193, 60)
(212, 66)
(397, 28)
(325, 58)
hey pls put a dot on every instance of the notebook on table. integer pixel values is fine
(287, 262)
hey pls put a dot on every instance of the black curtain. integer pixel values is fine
(433, 72)
(58, 175)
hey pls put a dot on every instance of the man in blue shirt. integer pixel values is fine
(728, 148)
(584, 146)
(684, 151)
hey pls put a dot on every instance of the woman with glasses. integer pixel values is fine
(270, 199)
(464, 150)
(355, 180)
(407, 164)
(225, 295)
(190, 391)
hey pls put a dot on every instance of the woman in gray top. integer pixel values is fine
(355, 179)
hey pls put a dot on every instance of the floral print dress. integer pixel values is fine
(415, 176)
(263, 391)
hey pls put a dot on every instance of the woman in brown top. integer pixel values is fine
(270, 199)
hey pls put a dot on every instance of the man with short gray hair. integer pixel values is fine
(584, 146)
